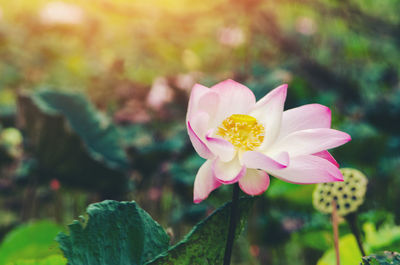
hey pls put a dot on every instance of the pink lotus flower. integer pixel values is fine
(244, 140)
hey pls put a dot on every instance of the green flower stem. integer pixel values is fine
(335, 225)
(352, 221)
(232, 224)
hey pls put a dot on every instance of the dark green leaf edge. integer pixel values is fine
(180, 253)
(385, 258)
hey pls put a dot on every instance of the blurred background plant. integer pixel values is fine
(93, 99)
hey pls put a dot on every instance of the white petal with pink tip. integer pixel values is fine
(326, 155)
(254, 182)
(269, 111)
(228, 172)
(308, 169)
(223, 149)
(253, 159)
(197, 92)
(205, 182)
(309, 116)
(200, 147)
(235, 98)
(309, 141)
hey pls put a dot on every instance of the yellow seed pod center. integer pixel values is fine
(243, 131)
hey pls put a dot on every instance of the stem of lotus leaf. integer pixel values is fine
(232, 224)
(352, 221)
(335, 225)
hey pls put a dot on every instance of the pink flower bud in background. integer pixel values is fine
(254, 250)
(134, 111)
(306, 26)
(186, 81)
(55, 185)
(160, 93)
(61, 13)
(155, 193)
(231, 36)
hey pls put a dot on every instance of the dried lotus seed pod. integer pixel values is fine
(348, 194)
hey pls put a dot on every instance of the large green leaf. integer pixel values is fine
(205, 244)
(116, 233)
(32, 241)
(73, 142)
(98, 135)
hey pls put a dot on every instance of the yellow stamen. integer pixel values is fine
(243, 131)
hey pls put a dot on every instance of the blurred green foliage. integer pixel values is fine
(387, 237)
(31, 243)
(50, 260)
(349, 253)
